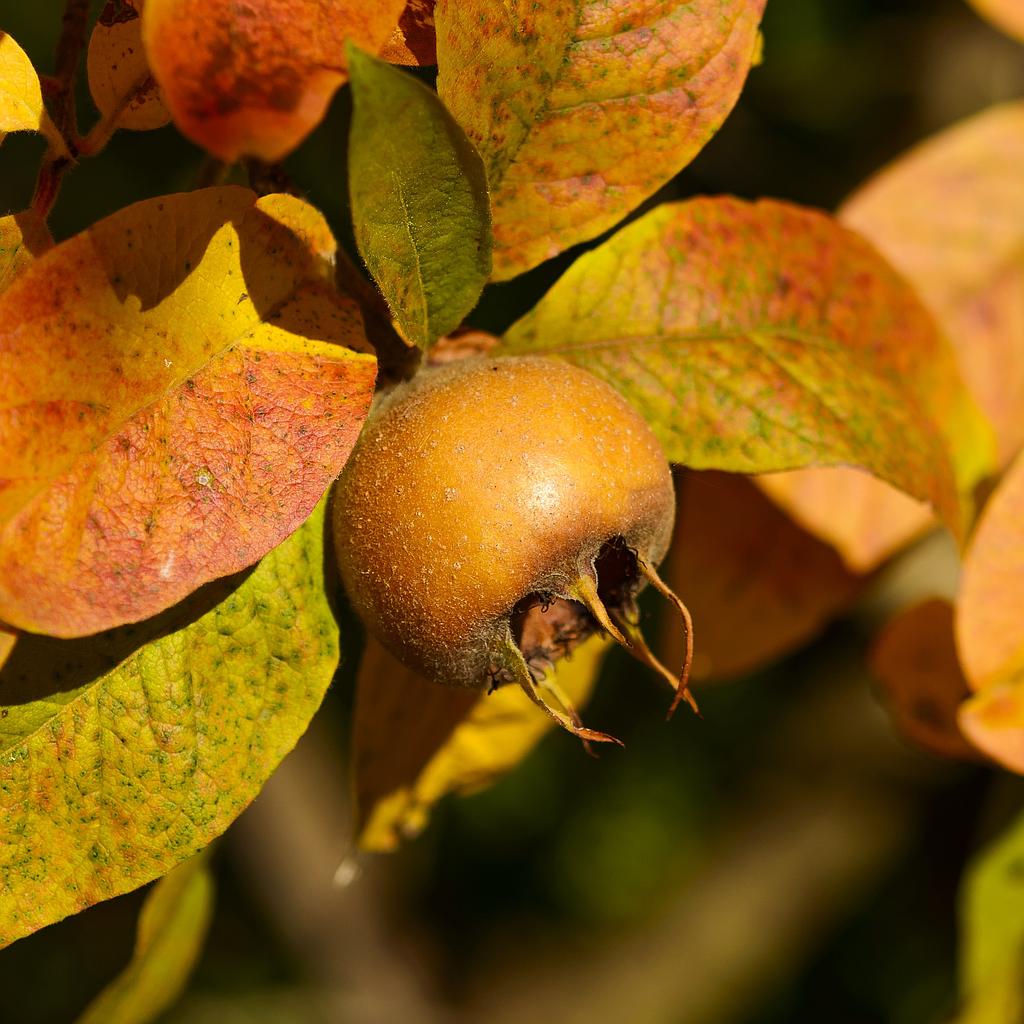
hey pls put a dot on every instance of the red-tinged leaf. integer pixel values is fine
(121, 83)
(1007, 15)
(915, 661)
(581, 110)
(990, 608)
(415, 39)
(23, 237)
(993, 720)
(177, 395)
(756, 584)
(758, 337)
(863, 518)
(414, 742)
(950, 215)
(254, 79)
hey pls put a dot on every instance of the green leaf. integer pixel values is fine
(757, 337)
(172, 926)
(119, 761)
(992, 933)
(419, 200)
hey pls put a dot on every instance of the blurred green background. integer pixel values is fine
(783, 861)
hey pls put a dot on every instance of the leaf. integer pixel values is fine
(914, 658)
(7, 642)
(1007, 15)
(990, 607)
(993, 720)
(119, 761)
(419, 200)
(21, 99)
(121, 83)
(756, 584)
(582, 110)
(169, 410)
(254, 79)
(23, 237)
(415, 40)
(757, 337)
(172, 927)
(863, 518)
(950, 216)
(992, 932)
(415, 742)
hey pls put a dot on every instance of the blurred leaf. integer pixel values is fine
(254, 79)
(7, 642)
(990, 609)
(415, 40)
(414, 742)
(756, 584)
(582, 111)
(419, 200)
(950, 216)
(21, 99)
(1007, 15)
(121, 83)
(993, 720)
(758, 337)
(914, 659)
(169, 410)
(865, 519)
(23, 237)
(172, 927)
(992, 933)
(110, 777)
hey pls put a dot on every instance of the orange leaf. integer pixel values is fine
(865, 519)
(1005, 14)
(914, 659)
(755, 583)
(950, 215)
(583, 110)
(121, 83)
(990, 609)
(176, 398)
(993, 720)
(255, 78)
(415, 40)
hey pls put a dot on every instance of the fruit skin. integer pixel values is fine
(481, 482)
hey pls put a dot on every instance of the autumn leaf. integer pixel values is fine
(914, 659)
(21, 99)
(415, 742)
(992, 932)
(124, 754)
(121, 83)
(756, 584)
(950, 216)
(254, 79)
(757, 337)
(7, 642)
(583, 110)
(23, 237)
(172, 926)
(177, 395)
(419, 200)
(1007, 15)
(865, 519)
(415, 39)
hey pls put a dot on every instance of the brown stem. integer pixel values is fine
(70, 43)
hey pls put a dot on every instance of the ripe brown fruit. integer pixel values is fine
(495, 513)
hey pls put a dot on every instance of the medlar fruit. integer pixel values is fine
(496, 512)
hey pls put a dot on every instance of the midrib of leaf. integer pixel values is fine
(422, 288)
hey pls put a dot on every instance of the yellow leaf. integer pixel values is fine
(414, 742)
(1005, 14)
(172, 926)
(23, 237)
(21, 99)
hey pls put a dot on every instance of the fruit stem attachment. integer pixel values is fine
(682, 687)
